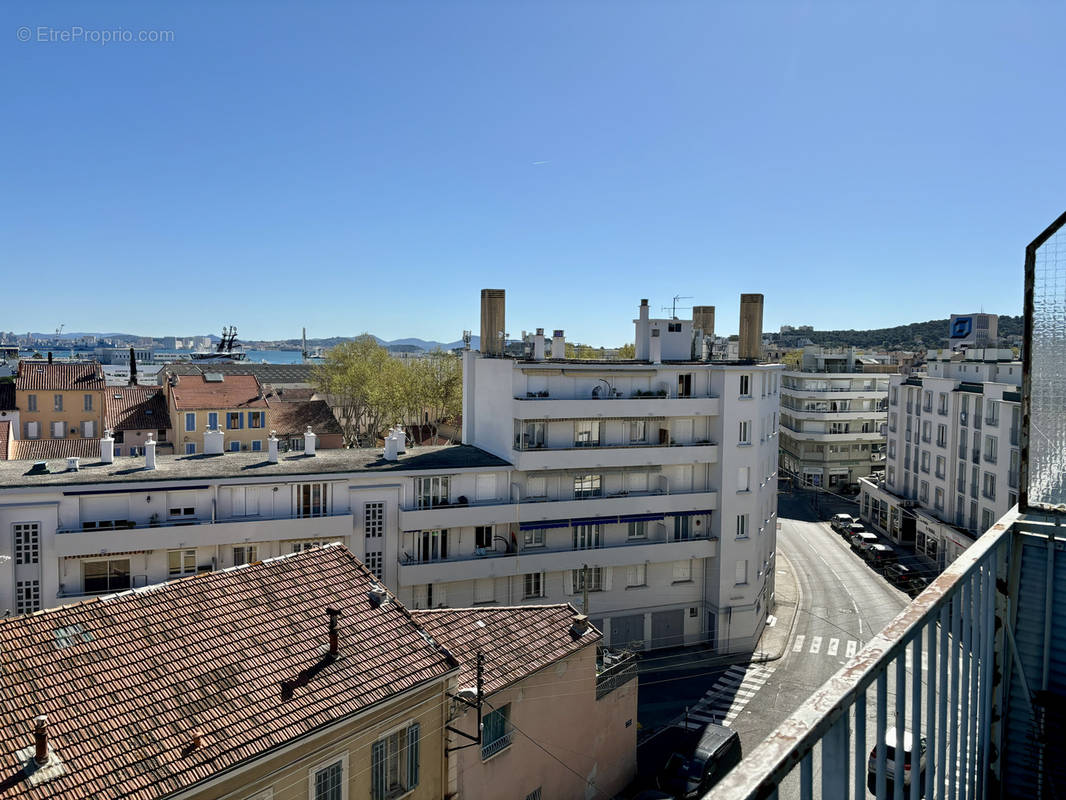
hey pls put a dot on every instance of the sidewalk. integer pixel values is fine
(775, 638)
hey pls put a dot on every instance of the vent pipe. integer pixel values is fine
(107, 448)
(750, 344)
(641, 344)
(149, 453)
(40, 740)
(272, 448)
(493, 328)
(558, 344)
(73, 464)
(538, 345)
(309, 442)
(334, 636)
(214, 441)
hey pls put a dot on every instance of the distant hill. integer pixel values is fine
(930, 335)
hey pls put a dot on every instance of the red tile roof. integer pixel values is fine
(233, 391)
(43, 377)
(134, 408)
(293, 417)
(516, 640)
(5, 438)
(44, 449)
(125, 680)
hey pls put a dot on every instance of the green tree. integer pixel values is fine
(359, 379)
(627, 351)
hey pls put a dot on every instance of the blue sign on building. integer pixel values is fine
(961, 327)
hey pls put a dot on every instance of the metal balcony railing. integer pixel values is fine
(933, 671)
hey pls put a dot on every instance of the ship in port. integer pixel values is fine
(227, 351)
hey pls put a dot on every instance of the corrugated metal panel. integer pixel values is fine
(1021, 740)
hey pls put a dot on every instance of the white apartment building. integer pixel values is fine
(833, 413)
(657, 474)
(953, 452)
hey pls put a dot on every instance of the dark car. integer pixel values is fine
(880, 555)
(899, 575)
(717, 752)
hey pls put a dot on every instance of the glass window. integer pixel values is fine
(682, 571)
(587, 537)
(587, 433)
(181, 562)
(31, 402)
(27, 542)
(636, 575)
(533, 585)
(742, 572)
(311, 500)
(190, 421)
(433, 491)
(496, 731)
(533, 538)
(638, 530)
(745, 385)
(27, 596)
(57, 402)
(742, 525)
(108, 575)
(587, 486)
(87, 403)
(374, 520)
(638, 430)
(745, 432)
(245, 554)
(595, 576)
(483, 536)
(328, 782)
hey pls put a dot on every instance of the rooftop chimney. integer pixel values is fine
(538, 345)
(558, 344)
(378, 596)
(133, 368)
(655, 347)
(149, 453)
(392, 447)
(750, 344)
(493, 326)
(272, 448)
(40, 740)
(73, 464)
(334, 638)
(703, 322)
(214, 441)
(579, 625)
(309, 442)
(107, 448)
(401, 439)
(641, 344)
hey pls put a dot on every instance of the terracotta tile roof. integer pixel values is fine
(7, 396)
(516, 640)
(125, 680)
(290, 395)
(132, 408)
(291, 418)
(41, 376)
(233, 391)
(45, 449)
(5, 438)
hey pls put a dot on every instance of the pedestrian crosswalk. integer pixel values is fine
(814, 646)
(727, 698)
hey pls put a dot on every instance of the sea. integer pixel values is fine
(253, 356)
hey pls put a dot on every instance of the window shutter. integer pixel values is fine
(412, 756)
(212, 419)
(607, 573)
(568, 581)
(377, 771)
(240, 419)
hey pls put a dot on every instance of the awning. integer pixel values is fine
(594, 520)
(543, 524)
(698, 513)
(641, 517)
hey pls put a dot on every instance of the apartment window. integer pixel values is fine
(636, 575)
(638, 430)
(587, 537)
(235, 446)
(587, 486)
(925, 460)
(990, 449)
(256, 419)
(927, 428)
(257, 445)
(745, 432)
(27, 537)
(181, 512)
(299, 547)
(27, 597)
(682, 528)
(684, 385)
(496, 731)
(433, 491)
(190, 421)
(928, 405)
(964, 410)
(595, 579)
(938, 499)
(327, 781)
(840, 427)
(941, 435)
(533, 585)
(744, 479)
(988, 488)
(483, 536)
(682, 571)
(742, 572)
(1012, 470)
(941, 466)
(31, 402)
(59, 430)
(312, 499)
(895, 395)
(88, 429)
(742, 526)
(638, 530)
(891, 476)
(987, 518)
(181, 562)
(745, 385)
(923, 492)
(374, 520)
(891, 448)
(245, 554)
(106, 575)
(484, 590)
(892, 419)
(374, 562)
(57, 402)
(942, 404)
(190, 449)
(992, 413)
(533, 538)
(530, 435)
(587, 433)
(432, 545)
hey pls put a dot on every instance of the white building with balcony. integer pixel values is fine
(953, 452)
(652, 483)
(833, 413)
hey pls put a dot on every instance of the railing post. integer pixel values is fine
(900, 722)
(881, 784)
(860, 745)
(930, 706)
(835, 760)
(943, 720)
(962, 765)
(916, 714)
(951, 765)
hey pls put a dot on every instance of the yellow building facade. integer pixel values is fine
(60, 401)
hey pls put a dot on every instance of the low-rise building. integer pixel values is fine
(209, 400)
(59, 401)
(133, 414)
(293, 411)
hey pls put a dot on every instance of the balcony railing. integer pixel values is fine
(490, 749)
(617, 394)
(614, 668)
(122, 525)
(538, 448)
(934, 671)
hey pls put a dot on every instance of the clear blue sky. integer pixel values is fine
(372, 166)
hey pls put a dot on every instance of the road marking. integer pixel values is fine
(799, 643)
(851, 649)
(727, 698)
(834, 645)
(816, 645)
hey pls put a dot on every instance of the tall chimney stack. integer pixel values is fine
(538, 345)
(558, 344)
(493, 325)
(703, 323)
(750, 344)
(334, 634)
(641, 344)
(40, 740)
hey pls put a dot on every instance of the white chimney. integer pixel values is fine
(391, 447)
(73, 464)
(149, 453)
(538, 345)
(558, 344)
(107, 448)
(272, 448)
(309, 442)
(401, 439)
(640, 346)
(655, 349)
(214, 441)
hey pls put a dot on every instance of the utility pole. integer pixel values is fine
(585, 589)
(475, 741)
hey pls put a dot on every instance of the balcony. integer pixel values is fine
(851, 438)
(201, 533)
(621, 455)
(954, 667)
(556, 407)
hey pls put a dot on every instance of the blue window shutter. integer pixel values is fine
(412, 755)
(212, 419)
(240, 419)
(190, 422)
(377, 771)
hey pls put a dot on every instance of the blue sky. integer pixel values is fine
(372, 166)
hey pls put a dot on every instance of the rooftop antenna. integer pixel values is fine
(466, 340)
(673, 306)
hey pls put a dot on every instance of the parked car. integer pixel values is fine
(861, 540)
(717, 752)
(856, 527)
(840, 522)
(880, 555)
(890, 763)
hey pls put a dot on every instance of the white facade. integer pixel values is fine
(832, 419)
(953, 452)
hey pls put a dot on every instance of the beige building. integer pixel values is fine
(59, 401)
(545, 704)
(234, 403)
